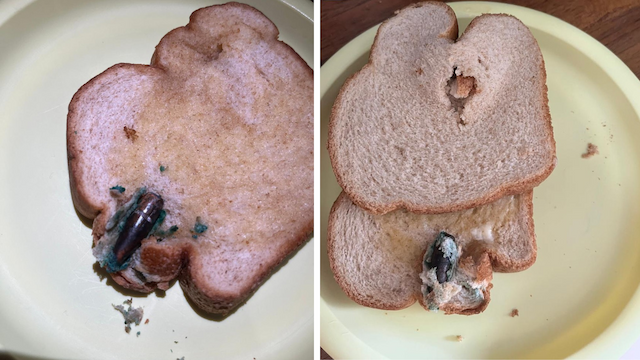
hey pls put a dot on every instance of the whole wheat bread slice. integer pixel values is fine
(378, 259)
(434, 125)
(220, 126)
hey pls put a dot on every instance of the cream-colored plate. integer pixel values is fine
(581, 297)
(52, 303)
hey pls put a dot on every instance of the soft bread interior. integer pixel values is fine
(377, 259)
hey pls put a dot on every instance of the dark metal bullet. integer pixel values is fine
(138, 226)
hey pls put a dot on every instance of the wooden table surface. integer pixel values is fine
(615, 23)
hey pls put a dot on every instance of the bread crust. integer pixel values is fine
(165, 261)
(506, 265)
(80, 194)
(344, 284)
(516, 187)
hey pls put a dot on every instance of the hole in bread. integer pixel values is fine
(460, 89)
(139, 275)
(484, 65)
(208, 53)
(213, 53)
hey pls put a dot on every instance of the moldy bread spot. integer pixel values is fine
(118, 189)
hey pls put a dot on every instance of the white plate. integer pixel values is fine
(52, 303)
(581, 297)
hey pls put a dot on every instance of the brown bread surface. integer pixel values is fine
(227, 111)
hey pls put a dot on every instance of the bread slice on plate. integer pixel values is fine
(445, 261)
(433, 124)
(198, 167)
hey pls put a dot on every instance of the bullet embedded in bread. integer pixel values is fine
(443, 256)
(138, 226)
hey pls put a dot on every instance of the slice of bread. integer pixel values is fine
(220, 127)
(378, 259)
(433, 125)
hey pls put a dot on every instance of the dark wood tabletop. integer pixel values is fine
(615, 23)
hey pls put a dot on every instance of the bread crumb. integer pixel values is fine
(146, 322)
(514, 313)
(591, 150)
(459, 338)
(131, 315)
(130, 133)
(462, 87)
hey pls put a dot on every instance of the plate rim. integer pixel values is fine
(622, 328)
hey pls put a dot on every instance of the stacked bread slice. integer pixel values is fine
(438, 143)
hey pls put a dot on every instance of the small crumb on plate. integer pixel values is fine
(131, 315)
(591, 150)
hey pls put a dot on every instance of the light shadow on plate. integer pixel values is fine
(4, 355)
(452, 338)
(85, 220)
(329, 190)
(222, 317)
